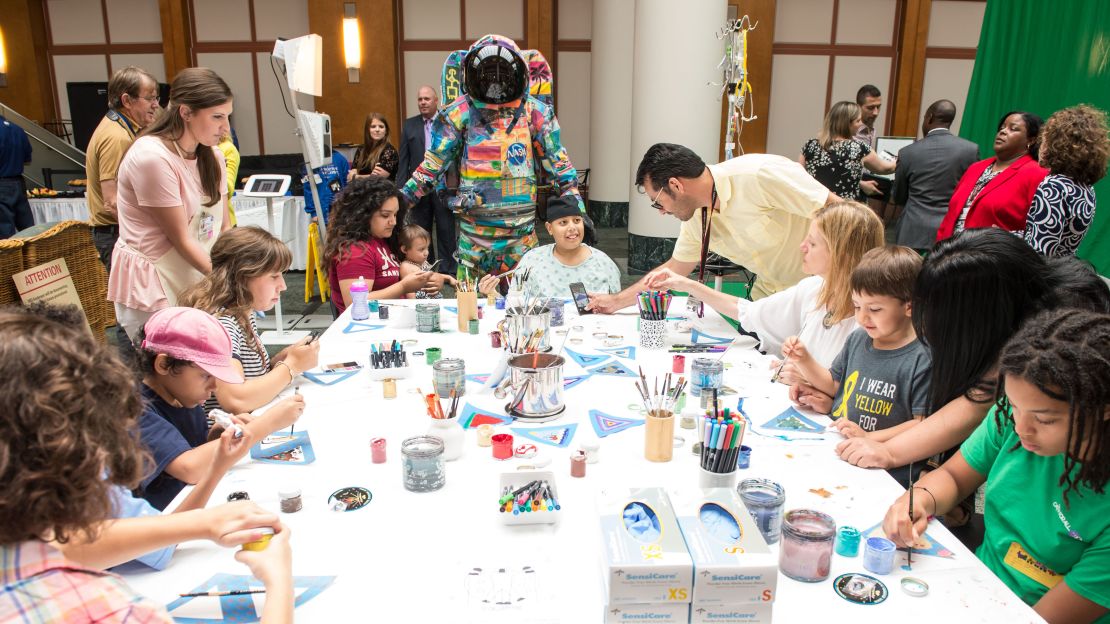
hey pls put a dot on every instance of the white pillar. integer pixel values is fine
(676, 55)
(610, 121)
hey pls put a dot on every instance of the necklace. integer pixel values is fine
(182, 153)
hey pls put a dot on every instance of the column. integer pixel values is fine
(676, 55)
(610, 108)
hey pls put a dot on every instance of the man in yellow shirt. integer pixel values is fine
(753, 210)
(132, 105)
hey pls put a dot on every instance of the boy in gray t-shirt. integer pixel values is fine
(880, 379)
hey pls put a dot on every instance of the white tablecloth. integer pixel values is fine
(290, 219)
(404, 557)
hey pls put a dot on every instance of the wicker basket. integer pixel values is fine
(72, 240)
(11, 262)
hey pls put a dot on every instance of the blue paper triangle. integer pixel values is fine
(451, 309)
(558, 436)
(354, 327)
(793, 421)
(240, 609)
(571, 381)
(298, 439)
(628, 352)
(707, 339)
(585, 360)
(328, 378)
(613, 368)
(605, 425)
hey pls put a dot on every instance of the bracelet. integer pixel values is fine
(293, 375)
(930, 495)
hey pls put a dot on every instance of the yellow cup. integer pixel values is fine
(262, 542)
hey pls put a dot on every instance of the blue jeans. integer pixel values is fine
(15, 212)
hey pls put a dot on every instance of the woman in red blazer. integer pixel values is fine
(997, 192)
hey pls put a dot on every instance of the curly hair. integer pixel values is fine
(851, 230)
(67, 410)
(351, 213)
(1066, 355)
(238, 256)
(1075, 142)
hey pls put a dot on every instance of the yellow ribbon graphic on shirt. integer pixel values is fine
(849, 386)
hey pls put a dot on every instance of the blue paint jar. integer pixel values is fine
(878, 555)
(764, 499)
(847, 541)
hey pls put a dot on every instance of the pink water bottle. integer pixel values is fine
(360, 311)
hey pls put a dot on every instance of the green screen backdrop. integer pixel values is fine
(1043, 56)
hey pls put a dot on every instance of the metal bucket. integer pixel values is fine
(518, 323)
(536, 386)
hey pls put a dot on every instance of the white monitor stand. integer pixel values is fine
(270, 187)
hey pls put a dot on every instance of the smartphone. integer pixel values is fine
(345, 366)
(581, 299)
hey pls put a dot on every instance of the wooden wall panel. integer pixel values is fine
(910, 72)
(349, 103)
(29, 90)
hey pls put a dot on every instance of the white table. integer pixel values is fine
(290, 219)
(404, 557)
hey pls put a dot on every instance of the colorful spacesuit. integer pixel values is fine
(496, 132)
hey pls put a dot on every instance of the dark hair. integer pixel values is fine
(370, 152)
(664, 161)
(888, 271)
(1075, 284)
(943, 112)
(351, 212)
(1075, 144)
(67, 410)
(973, 292)
(1066, 355)
(128, 80)
(866, 91)
(144, 358)
(196, 88)
(1033, 125)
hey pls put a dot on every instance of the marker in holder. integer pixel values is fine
(388, 360)
(528, 497)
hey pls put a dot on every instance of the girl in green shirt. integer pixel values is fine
(1045, 459)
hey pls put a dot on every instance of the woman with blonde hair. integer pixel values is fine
(818, 310)
(246, 277)
(376, 156)
(172, 199)
(835, 159)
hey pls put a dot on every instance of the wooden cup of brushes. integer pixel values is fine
(468, 308)
(659, 436)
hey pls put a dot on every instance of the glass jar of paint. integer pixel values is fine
(422, 464)
(706, 374)
(764, 499)
(427, 317)
(807, 545)
(449, 374)
(290, 500)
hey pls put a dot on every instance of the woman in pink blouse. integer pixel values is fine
(172, 199)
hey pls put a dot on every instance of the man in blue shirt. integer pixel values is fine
(330, 179)
(15, 151)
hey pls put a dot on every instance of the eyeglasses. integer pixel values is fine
(149, 98)
(655, 200)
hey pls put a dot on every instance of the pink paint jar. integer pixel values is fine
(377, 450)
(805, 553)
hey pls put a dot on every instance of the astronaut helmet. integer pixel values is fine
(494, 71)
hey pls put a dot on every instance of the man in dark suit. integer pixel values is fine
(431, 207)
(927, 173)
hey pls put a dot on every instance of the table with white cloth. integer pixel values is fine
(405, 556)
(290, 219)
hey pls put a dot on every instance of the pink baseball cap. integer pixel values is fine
(192, 335)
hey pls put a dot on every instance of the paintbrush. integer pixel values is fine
(234, 592)
(722, 356)
(909, 551)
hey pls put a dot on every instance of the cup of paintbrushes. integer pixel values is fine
(468, 308)
(659, 436)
